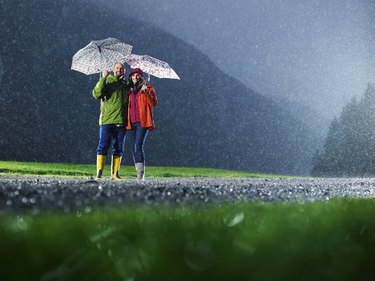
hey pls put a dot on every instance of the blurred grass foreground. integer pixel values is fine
(333, 240)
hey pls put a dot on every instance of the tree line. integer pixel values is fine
(349, 148)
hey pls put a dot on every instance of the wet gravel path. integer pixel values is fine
(37, 193)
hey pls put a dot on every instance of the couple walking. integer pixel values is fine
(125, 111)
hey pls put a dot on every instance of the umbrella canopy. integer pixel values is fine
(100, 55)
(152, 66)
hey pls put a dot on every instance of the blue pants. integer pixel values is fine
(137, 137)
(111, 134)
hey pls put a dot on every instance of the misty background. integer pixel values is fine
(260, 83)
(316, 54)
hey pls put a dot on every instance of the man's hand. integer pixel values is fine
(105, 73)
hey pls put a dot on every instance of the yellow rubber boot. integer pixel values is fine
(115, 167)
(100, 162)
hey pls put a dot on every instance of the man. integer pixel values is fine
(113, 93)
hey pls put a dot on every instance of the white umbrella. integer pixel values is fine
(100, 55)
(151, 66)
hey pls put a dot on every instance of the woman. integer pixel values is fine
(142, 99)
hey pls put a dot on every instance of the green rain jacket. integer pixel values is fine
(113, 94)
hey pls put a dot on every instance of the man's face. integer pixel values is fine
(118, 70)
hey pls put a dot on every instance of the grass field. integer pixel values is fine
(331, 240)
(75, 170)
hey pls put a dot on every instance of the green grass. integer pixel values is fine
(332, 240)
(78, 170)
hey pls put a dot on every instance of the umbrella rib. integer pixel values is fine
(116, 55)
(109, 58)
(91, 59)
(82, 53)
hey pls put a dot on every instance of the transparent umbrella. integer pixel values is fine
(100, 55)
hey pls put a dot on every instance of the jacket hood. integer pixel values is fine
(136, 70)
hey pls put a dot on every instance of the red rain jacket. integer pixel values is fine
(146, 101)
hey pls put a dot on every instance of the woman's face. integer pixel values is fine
(135, 78)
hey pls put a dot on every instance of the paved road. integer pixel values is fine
(36, 193)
